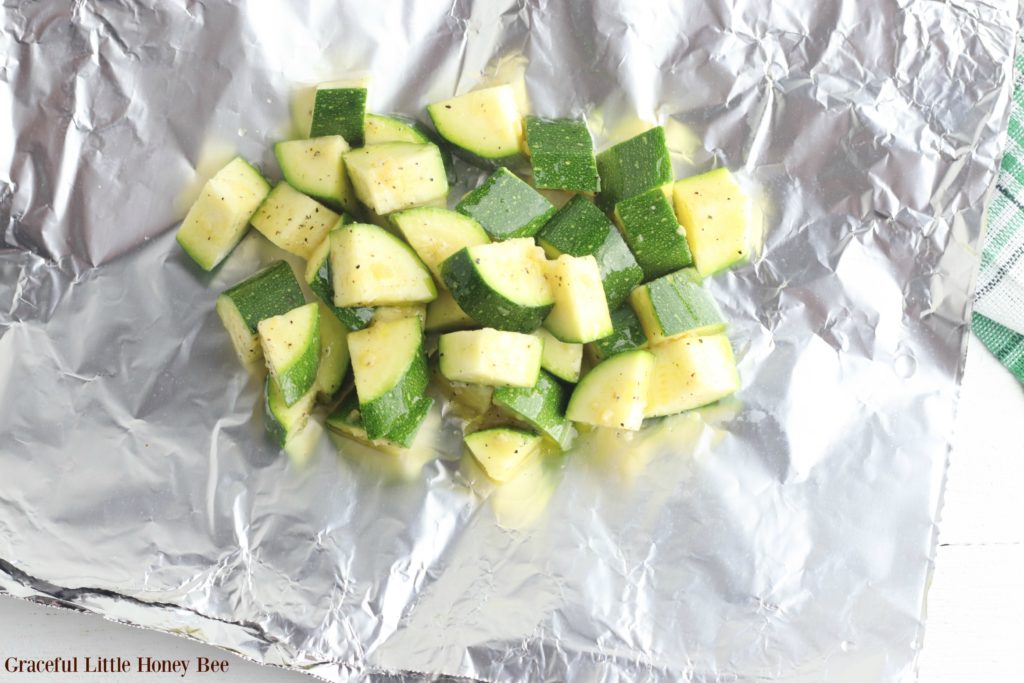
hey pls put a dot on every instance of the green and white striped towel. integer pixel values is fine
(999, 302)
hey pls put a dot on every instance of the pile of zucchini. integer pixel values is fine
(537, 318)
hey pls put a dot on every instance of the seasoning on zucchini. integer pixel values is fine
(580, 313)
(674, 305)
(716, 213)
(486, 123)
(318, 277)
(506, 206)
(293, 221)
(501, 451)
(436, 233)
(491, 357)
(691, 372)
(291, 347)
(314, 167)
(372, 267)
(272, 291)
(614, 393)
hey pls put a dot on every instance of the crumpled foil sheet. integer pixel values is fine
(786, 535)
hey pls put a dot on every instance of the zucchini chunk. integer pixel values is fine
(562, 359)
(397, 175)
(436, 233)
(580, 313)
(634, 166)
(220, 216)
(675, 305)
(338, 109)
(506, 206)
(542, 406)
(581, 229)
(314, 167)
(372, 267)
(627, 334)
(445, 315)
(653, 233)
(390, 371)
(293, 221)
(717, 216)
(320, 280)
(614, 393)
(691, 372)
(486, 122)
(282, 420)
(291, 347)
(272, 291)
(501, 451)
(562, 154)
(491, 357)
(333, 354)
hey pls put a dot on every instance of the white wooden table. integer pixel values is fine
(976, 604)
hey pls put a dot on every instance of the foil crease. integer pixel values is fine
(787, 534)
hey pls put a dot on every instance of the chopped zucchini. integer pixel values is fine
(542, 406)
(501, 285)
(491, 357)
(561, 359)
(319, 278)
(435, 234)
(384, 314)
(614, 393)
(506, 206)
(380, 129)
(716, 213)
(347, 421)
(562, 154)
(579, 229)
(627, 334)
(272, 291)
(372, 267)
(390, 371)
(676, 305)
(501, 451)
(691, 372)
(333, 354)
(580, 313)
(445, 315)
(486, 122)
(283, 421)
(338, 109)
(634, 166)
(314, 167)
(652, 232)
(397, 175)
(293, 221)
(291, 347)
(220, 216)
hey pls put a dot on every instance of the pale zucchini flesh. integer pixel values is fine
(397, 175)
(562, 359)
(486, 122)
(691, 372)
(614, 393)
(491, 357)
(293, 221)
(315, 167)
(291, 348)
(372, 267)
(580, 313)
(501, 451)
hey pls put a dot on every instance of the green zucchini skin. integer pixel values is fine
(653, 233)
(627, 335)
(282, 420)
(542, 405)
(676, 304)
(482, 303)
(339, 111)
(581, 229)
(272, 291)
(385, 416)
(562, 154)
(506, 206)
(633, 166)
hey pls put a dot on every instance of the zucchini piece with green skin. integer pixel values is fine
(283, 420)
(500, 285)
(293, 221)
(333, 354)
(486, 123)
(542, 406)
(435, 233)
(562, 154)
(579, 229)
(691, 372)
(491, 357)
(395, 128)
(614, 393)
(314, 167)
(372, 267)
(506, 206)
(562, 359)
(219, 218)
(717, 215)
(627, 335)
(445, 315)
(652, 232)
(676, 305)
(580, 313)
(501, 451)
(390, 371)
(633, 167)
(291, 347)
(318, 277)
(397, 175)
(338, 109)
(272, 291)
(346, 420)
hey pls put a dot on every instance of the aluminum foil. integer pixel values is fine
(785, 535)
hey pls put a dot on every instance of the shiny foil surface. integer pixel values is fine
(786, 534)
